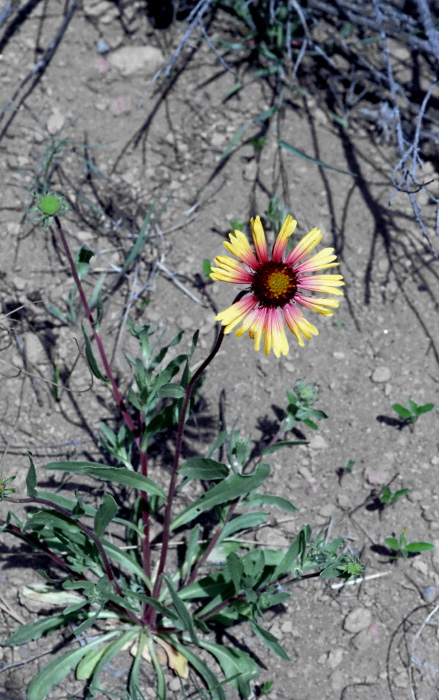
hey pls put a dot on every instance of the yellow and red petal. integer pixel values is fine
(230, 270)
(317, 304)
(258, 326)
(320, 261)
(275, 334)
(240, 247)
(304, 247)
(298, 324)
(259, 240)
(280, 244)
(326, 284)
(236, 313)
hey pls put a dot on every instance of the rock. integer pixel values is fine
(120, 105)
(34, 349)
(401, 680)
(421, 566)
(377, 475)
(137, 59)
(250, 171)
(338, 355)
(19, 283)
(56, 121)
(102, 65)
(335, 657)
(186, 323)
(429, 594)
(318, 443)
(381, 375)
(357, 620)
(287, 627)
(218, 140)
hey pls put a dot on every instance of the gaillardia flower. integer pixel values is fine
(276, 285)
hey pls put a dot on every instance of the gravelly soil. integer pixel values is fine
(374, 641)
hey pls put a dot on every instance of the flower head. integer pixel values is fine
(276, 285)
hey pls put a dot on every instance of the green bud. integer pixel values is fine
(50, 205)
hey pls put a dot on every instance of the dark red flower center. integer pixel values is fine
(274, 284)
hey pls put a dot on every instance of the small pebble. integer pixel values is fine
(318, 443)
(429, 594)
(381, 375)
(102, 46)
(357, 620)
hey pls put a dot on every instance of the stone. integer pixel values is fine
(56, 121)
(335, 657)
(377, 475)
(429, 594)
(318, 443)
(381, 375)
(34, 349)
(250, 171)
(136, 59)
(287, 627)
(358, 619)
(120, 105)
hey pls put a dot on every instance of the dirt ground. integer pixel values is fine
(374, 641)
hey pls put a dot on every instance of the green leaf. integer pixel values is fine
(31, 479)
(34, 630)
(392, 543)
(57, 313)
(141, 240)
(50, 596)
(191, 551)
(419, 546)
(87, 666)
(207, 268)
(401, 411)
(82, 259)
(269, 640)
(174, 391)
(218, 442)
(110, 652)
(243, 522)
(288, 559)
(124, 559)
(212, 682)
(203, 468)
(236, 569)
(105, 514)
(91, 360)
(117, 475)
(99, 312)
(295, 151)
(234, 662)
(282, 443)
(265, 499)
(425, 408)
(230, 489)
(52, 674)
(181, 610)
(160, 676)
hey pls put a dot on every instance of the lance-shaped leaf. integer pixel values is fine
(235, 486)
(105, 514)
(117, 475)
